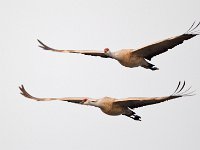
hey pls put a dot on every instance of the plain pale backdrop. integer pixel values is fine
(92, 24)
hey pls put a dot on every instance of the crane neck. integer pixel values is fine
(112, 55)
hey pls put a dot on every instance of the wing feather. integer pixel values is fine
(135, 102)
(160, 47)
(78, 100)
(85, 52)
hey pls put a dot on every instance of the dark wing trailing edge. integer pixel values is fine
(85, 52)
(78, 100)
(135, 102)
(157, 48)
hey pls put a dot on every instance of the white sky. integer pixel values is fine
(90, 24)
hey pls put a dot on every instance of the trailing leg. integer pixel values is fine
(150, 66)
(133, 116)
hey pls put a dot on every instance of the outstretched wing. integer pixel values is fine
(135, 102)
(79, 100)
(157, 48)
(85, 52)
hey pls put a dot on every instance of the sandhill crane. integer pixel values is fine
(113, 106)
(136, 57)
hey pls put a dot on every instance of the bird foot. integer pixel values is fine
(136, 117)
(154, 68)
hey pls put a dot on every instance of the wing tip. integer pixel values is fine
(191, 30)
(179, 90)
(44, 46)
(25, 93)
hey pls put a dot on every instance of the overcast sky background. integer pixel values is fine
(90, 24)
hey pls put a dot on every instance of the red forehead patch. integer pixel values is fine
(85, 99)
(106, 50)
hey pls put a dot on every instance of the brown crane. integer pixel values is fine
(114, 106)
(136, 57)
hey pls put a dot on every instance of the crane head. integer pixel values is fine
(91, 102)
(106, 50)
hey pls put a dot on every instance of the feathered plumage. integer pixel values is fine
(136, 57)
(114, 106)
